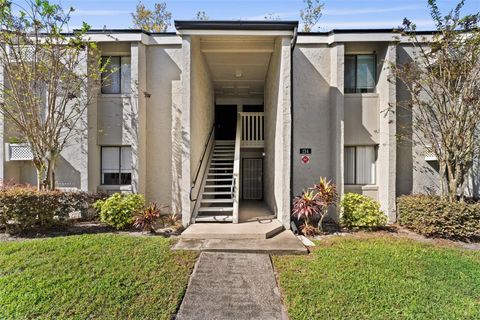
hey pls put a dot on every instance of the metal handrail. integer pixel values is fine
(201, 163)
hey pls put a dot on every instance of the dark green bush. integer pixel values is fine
(359, 211)
(25, 208)
(435, 217)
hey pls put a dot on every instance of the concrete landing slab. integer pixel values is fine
(284, 243)
(258, 229)
(232, 286)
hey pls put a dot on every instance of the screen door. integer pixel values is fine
(252, 179)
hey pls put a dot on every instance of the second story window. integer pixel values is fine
(116, 79)
(360, 73)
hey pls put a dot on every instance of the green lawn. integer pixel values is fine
(92, 276)
(381, 277)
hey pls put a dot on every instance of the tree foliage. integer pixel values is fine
(443, 82)
(201, 15)
(311, 14)
(156, 20)
(46, 80)
(272, 16)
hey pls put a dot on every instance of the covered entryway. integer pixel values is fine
(239, 85)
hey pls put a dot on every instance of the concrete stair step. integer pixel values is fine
(220, 186)
(215, 180)
(226, 200)
(219, 193)
(215, 209)
(215, 218)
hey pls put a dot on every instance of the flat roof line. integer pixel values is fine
(235, 25)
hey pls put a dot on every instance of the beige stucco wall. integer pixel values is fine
(361, 119)
(312, 113)
(277, 105)
(163, 69)
(202, 107)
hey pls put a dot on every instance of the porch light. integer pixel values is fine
(238, 73)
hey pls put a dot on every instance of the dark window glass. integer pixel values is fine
(116, 165)
(360, 73)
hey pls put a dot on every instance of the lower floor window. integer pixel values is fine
(360, 165)
(116, 165)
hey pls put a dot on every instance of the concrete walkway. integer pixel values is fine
(232, 286)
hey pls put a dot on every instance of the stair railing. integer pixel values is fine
(236, 169)
(200, 165)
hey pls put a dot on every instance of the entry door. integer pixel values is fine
(252, 179)
(225, 122)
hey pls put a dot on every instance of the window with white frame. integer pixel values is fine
(116, 165)
(360, 165)
(116, 77)
(360, 73)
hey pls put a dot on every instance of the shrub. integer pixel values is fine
(359, 211)
(435, 217)
(25, 208)
(119, 210)
(147, 218)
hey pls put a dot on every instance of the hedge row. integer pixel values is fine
(434, 217)
(23, 208)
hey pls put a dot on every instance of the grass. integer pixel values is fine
(381, 277)
(92, 277)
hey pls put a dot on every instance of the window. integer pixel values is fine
(360, 73)
(253, 108)
(116, 165)
(116, 77)
(360, 164)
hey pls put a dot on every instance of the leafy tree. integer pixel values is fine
(156, 20)
(201, 15)
(46, 83)
(272, 16)
(443, 82)
(311, 14)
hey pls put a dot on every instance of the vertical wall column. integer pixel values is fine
(181, 102)
(283, 138)
(337, 57)
(387, 148)
(138, 117)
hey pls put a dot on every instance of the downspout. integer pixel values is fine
(292, 48)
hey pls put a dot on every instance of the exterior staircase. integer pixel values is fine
(216, 198)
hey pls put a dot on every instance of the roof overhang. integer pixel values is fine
(231, 27)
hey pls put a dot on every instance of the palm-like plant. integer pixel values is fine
(313, 203)
(146, 219)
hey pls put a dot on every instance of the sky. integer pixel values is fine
(337, 14)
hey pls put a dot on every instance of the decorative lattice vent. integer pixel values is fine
(18, 152)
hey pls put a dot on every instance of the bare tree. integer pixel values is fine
(311, 14)
(156, 20)
(201, 15)
(46, 79)
(443, 82)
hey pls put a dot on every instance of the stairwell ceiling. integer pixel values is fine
(239, 65)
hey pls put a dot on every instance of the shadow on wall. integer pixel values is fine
(312, 116)
(404, 164)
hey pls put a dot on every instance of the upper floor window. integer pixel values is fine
(360, 165)
(360, 73)
(116, 78)
(116, 165)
